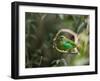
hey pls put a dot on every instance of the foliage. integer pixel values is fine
(39, 33)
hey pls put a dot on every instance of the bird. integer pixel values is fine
(63, 43)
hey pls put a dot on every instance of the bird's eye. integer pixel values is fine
(61, 36)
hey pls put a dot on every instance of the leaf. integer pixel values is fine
(61, 16)
(81, 27)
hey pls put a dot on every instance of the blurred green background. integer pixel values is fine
(41, 28)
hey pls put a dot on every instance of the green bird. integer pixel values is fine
(64, 43)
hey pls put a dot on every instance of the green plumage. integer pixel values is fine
(65, 44)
